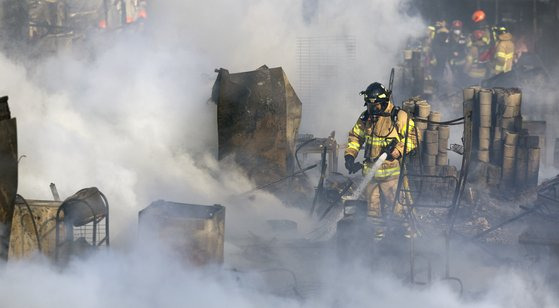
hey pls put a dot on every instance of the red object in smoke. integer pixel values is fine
(457, 24)
(102, 24)
(486, 55)
(478, 16)
(142, 14)
(478, 34)
(129, 19)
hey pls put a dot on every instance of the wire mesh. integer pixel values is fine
(431, 191)
(86, 232)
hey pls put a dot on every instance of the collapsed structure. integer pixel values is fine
(258, 117)
(8, 174)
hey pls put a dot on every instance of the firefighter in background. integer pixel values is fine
(458, 50)
(477, 58)
(440, 50)
(432, 35)
(427, 54)
(480, 24)
(135, 10)
(377, 129)
(503, 56)
(123, 12)
(45, 17)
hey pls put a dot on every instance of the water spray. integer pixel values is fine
(369, 176)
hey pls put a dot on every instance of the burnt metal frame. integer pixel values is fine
(459, 189)
(320, 187)
(34, 223)
(466, 159)
(317, 146)
(68, 227)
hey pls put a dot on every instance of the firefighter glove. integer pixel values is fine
(351, 165)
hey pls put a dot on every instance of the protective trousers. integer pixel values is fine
(383, 190)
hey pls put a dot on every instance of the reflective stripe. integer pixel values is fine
(354, 145)
(379, 142)
(382, 173)
(505, 55)
(411, 143)
(358, 131)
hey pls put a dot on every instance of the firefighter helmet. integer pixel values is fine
(478, 16)
(501, 30)
(457, 24)
(376, 93)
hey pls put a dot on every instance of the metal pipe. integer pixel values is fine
(279, 180)
(35, 229)
(54, 191)
(320, 187)
(412, 260)
(107, 237)
(505, 222)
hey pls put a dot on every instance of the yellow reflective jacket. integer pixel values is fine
(504, 54)
(378, 132)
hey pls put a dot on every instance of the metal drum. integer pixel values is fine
(84, 206)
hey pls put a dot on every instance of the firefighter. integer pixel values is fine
(440, 50)
(480, 24)
(458, 50)
(428, 59)
(378, 127)
(503, 57)
(477, 58)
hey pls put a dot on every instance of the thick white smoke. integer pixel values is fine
(132, 117)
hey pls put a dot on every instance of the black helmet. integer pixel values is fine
(376, 93)
(501, 30)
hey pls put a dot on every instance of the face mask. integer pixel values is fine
(376, 108)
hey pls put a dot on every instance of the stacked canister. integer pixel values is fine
(434, 137)
(509, 158)
(422, 111)
(499, 140)
(442, 156)
(431, 149)
(484, 130)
